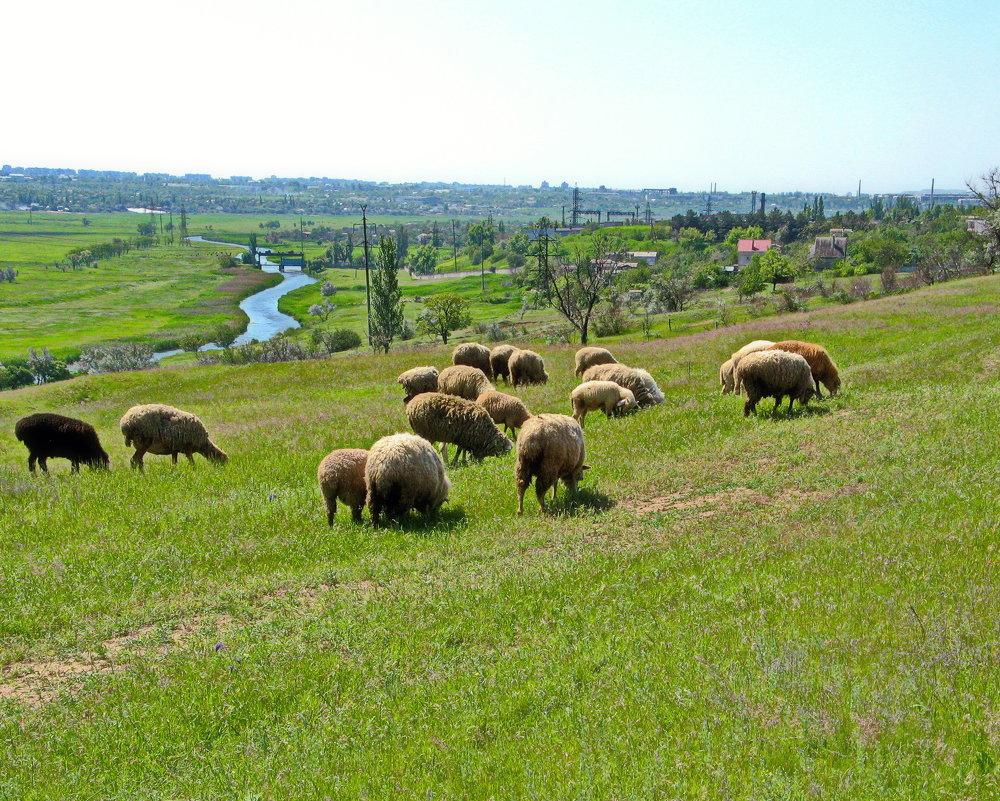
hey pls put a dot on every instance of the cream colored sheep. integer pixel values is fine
(550, 448)
(750, 347)
(604, 395)
(159, 429)
(463, 381)
(473, 354)
(499, 359)
(506, 410)
(341, 476)
(449, 419)
(589, 356)
(726, 377)
(527, 367)
(774, 374)
(404, 472)
(646, 392)
(417, 380)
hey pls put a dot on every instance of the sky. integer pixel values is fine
(766, 95)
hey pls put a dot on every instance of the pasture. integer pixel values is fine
(779, 607)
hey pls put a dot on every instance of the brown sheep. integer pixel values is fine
(774, 374)
(550, 448)
(527, 367)
(822, 366)
(589, 356)
(463, 381)
(473, 354)
(447, 418)
(160, 429)
(341, 476)
(499, 361)
(52, 436)
(404, 472)
(506, 410)
(417, 380)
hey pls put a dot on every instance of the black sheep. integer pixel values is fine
(52, 436)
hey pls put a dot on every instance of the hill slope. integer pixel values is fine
(782, 607)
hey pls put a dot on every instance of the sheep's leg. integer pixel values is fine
(31, 463)
(173, 458)
(540, 490)
(356, 513)
(136, 460)
(190, 458)
(43, 462)
(74, 466)
(818, 393)
(521, 487)
(749, 406)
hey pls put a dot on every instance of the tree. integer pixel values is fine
(253, 249)
(184, 226)
(443, 314)
(386, 297)
(224, 335)
(480, 238)
(750, 280)
(987, 190)
(322, 310)
(423, 259)
(328, 289)
(402, 244)
(774, 267)
(189, 343)
(575, 288)
(44, 367)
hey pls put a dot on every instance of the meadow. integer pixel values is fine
(774, 607)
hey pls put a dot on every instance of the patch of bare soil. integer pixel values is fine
(690, 502)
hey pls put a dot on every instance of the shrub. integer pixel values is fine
(788, 301)
(14, 376)
(191, 342)
(861, 289)
(889, 281)
(115, 358)
(45, 368)
(340, 339)
(515, 261)
(327, 289)
(610, 320)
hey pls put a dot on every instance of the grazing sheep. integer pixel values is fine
(550, 448)
(463, 381)
(646, 392)
(822, 366)
(473, 354)
(605, 395)
(160, 429)
(499, 358)
(750, 347)
(52, 436)
(446, 418)
(774, 374)
(726, 377)
(504, 409)
(404, 472)
(527, 367)
(589, 356)
(341, 476)
(417, 380)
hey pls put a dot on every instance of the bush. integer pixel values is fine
(115, 358)
(407, 331)
(889, 281)
(861, 289)
(340, 339)
(515, 261)
(610, 320)
(14, 376)
(788, 301)
(191, 342)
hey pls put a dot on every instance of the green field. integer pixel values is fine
(764, 608)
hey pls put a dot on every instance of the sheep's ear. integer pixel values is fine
(621, 403)
(586, 467)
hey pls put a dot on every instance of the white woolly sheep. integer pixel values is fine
(750, 347)
(417, 380)
(727, 378)
(646, 392)
(589, 356)
(473, 354)
(550, 448)
(160, 429)
(463, 381)
(774, 374)
(404, 472)
(605, 395)
(449, 419)
(527, 367)
(506, 410)
(341, 476)
(499, 358)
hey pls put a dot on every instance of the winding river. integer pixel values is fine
(262, 307)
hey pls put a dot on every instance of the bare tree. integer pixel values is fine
(987, 190)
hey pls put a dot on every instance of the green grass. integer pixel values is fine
(766, 608)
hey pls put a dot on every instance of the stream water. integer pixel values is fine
(262, 307)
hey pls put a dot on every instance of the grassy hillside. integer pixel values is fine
(773, 607)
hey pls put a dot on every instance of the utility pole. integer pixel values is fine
(368, 292)
(859, 191)
(932, 193)
(454, 243)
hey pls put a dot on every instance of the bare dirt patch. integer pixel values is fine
(690, 502)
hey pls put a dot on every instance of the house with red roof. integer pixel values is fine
(746, 249)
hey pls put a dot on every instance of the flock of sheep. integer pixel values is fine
(458, 406)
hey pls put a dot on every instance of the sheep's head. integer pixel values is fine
(626, 405)
(832, 385)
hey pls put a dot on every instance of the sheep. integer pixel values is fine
(550, 448)
(589, 356)
(822, 366)
(506, 410)
(417, 380)
(463, 381)
(750, 347)
(160, 429)
(446, 418)
(608, 396)
(499, 358)
(774, 374)
(341, 476)
(527, 367)
(473, 354)
(404, 472)
(52, 436)
(726, 377)
(646, 392)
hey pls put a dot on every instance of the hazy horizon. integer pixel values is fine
(776, 97)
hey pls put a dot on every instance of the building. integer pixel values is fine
(648, 256)
(828, 249)
(746, 249)
(975, 225)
